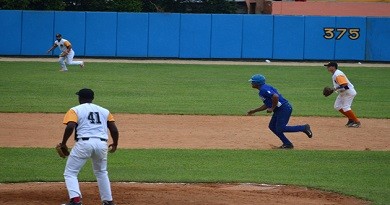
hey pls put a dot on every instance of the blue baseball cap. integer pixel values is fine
(257, 79)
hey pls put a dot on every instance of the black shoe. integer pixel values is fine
(355, 124)
(108, 203)
(73, 203)
(349, 122)
(308, 131)
(286, 146)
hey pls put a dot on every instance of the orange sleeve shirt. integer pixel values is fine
(341, 79)
(67, 44)
(71, 116)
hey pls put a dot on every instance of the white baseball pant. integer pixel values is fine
(344, 100)
(68, 59)
(96, 150)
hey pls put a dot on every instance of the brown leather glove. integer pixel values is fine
(327, 91)
(62, 150)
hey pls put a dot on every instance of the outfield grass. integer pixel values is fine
(203, 90)
(184, 89)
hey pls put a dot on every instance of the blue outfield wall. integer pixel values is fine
(74, 32)
(257, 40)
(289, 35)
(350, 45)
(165, 35)
(132, 36)
(378, 37)
(195, 41)
(37, 30)
(11, 32)
(100, 34)
(226, 36)
(317, 47)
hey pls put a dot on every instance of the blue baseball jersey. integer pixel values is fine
(266, 92)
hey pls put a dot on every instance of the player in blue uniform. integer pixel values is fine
(274, 102)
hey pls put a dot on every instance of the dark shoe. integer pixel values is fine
(354, 124)
(286, 146)
(308, 131)
(349, 122)
(73, 203)
(108, 203)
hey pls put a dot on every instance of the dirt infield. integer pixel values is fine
(175, 194)
(203, 132)
(193, 132)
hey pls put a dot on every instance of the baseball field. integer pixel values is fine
(184, 136)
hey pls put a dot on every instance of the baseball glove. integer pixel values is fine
(62, 150)
(327, 91)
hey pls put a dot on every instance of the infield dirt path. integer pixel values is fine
(202, 132)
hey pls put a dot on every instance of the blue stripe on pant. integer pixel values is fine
(279, 121)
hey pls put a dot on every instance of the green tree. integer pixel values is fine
(190, 6)
(32, 5)
(219, 7)
(172, 6)
(14, 5)
(86, 5)
(125, 5)
(104, 5)
(47, 5)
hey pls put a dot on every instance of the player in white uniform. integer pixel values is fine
(347, 93)
(90, 123)
(67, 53)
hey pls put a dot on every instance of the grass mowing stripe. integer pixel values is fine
(184, 89)
(357, 173)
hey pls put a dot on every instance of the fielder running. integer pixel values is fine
(90, 123)
(67, 53)
(347, 93)
(281, 108)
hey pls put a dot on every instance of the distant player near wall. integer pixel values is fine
(67, 53)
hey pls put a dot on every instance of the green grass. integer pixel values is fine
(361, 174)
(184, 89)
(203, 90)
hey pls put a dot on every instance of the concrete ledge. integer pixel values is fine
(378, 9)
